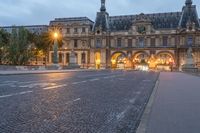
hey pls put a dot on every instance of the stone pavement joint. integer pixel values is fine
(145, 116)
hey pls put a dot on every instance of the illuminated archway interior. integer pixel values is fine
(164, 59)
(140, 61)
(141, 58)
(118, 60)
(97, 60)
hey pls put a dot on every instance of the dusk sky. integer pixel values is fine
(28, 12)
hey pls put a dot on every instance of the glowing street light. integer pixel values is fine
(55, 35)
(55, 48)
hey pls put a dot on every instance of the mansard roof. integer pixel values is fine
(85, 20)
(158, 20)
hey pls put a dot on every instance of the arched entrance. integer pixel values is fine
(165, 61)
(140, 60)
(118, 60)
(97, 60)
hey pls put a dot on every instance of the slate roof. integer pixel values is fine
(171, 20)
(158, 20)
(189, 15)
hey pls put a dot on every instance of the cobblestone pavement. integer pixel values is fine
(74, 102)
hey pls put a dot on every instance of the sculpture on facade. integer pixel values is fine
(189, 64)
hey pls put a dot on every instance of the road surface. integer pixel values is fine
(74, 102)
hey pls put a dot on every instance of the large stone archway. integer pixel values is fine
(140, 60)
(118, 60)
(140, 57)
(165, 60)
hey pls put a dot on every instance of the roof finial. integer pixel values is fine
(103, 7)
(188, 2)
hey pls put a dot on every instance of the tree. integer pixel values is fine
(4, 40)
(43, 44)
(19, 49)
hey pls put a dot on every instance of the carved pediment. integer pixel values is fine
(142, 18)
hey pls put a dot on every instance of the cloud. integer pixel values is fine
(27, 12)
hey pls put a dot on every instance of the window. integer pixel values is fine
(67, 57)
(83, 58)
(68, 30)
(165, 41)
(153, 42)
(83, 29)
(130, 43)
(75, 43)
(75, 30)
(190, 41)
(60, 57)
(119, 42)
(98, 43)
(141, 42)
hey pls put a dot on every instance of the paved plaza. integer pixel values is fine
(74, 102)
(176, 105)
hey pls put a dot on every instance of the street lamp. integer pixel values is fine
(55, 49)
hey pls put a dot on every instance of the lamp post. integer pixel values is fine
(55, 49)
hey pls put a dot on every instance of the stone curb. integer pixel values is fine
(41, 72)
(142, 128)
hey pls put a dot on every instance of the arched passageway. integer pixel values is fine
(118, 60)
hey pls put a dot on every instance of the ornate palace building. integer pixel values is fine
(158, 40)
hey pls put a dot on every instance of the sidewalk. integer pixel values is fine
(176, 106)
(39, 71)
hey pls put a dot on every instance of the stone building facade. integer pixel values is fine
(158, 40)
